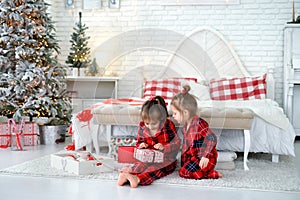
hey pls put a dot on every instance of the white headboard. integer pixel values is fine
(203, 54)
(206, 53)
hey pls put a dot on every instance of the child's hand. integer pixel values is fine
(159, 146)
(203, 162)
(143, 145)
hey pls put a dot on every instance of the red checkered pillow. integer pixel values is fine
(166, 88)
(238, 88)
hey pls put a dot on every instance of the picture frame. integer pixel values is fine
(69, 3)
(115, 4)
(91, 4)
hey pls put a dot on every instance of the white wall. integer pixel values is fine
(254, 29)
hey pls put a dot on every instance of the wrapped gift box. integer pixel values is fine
(31, 139)
(74, 162)
(5, 139)
(17, 142)
(125, 154)
(117, 141)
(4, 134)
(30, 132)
(149, 155)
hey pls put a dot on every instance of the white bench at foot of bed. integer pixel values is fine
(95, 143)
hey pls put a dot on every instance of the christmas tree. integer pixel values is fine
(79, 51)
(32, 82)
(93, 68)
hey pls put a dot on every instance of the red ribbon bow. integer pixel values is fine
(17, 133)
(153, 99)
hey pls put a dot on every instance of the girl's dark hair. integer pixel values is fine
(185, 101)
(154, 108)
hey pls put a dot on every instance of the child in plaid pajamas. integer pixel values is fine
(155, 132)
(198, 154)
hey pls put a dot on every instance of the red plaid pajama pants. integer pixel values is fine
(190, 169)
(149, 172)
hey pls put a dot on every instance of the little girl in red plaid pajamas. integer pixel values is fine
(198, 154)
(156, 131)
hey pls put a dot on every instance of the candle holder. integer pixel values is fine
(293, 12)
(293, 15)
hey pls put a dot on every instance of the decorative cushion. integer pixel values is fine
(238, 88)
(166, 88)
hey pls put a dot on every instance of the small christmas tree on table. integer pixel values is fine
(32, 82)
(93, 68)
(79, 51)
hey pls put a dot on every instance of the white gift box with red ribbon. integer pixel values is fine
(81, 163)
(149, 155)
(31, 134)
(29, 131)
(5, 135)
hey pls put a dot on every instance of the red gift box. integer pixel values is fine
(126, 154)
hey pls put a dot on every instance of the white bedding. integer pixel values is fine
(266, 109)
(265, 138)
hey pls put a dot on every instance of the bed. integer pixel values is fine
(238, 106)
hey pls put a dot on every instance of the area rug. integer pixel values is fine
(263, 174)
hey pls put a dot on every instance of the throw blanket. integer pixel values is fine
(82, 126)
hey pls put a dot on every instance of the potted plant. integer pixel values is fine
(54, 131)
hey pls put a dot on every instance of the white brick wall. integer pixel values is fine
(254, 28)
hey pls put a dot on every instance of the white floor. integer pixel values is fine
(39, 188)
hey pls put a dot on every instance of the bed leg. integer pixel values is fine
(246, 148)
(89, 147)
(275, 158)
(108, 137)
(95, 140)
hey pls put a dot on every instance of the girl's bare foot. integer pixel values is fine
(220, 175)
(125, 169)
(122, 179)
(133, 179)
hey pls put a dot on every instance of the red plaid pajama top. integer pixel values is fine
(167, 136)
(199, 141)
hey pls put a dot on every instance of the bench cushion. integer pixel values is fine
(228, 118)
